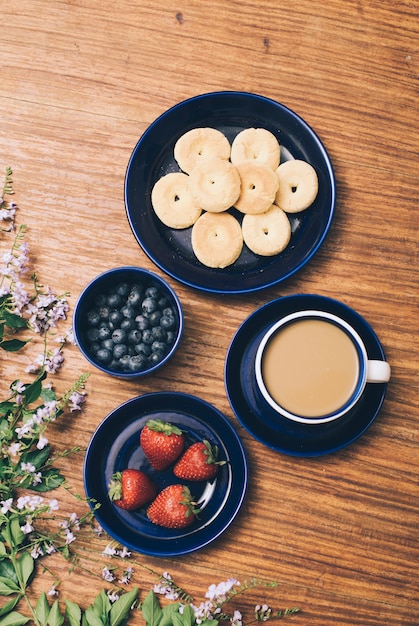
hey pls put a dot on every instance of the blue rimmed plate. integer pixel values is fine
(115, 446)
(279, 433)
(230, 112)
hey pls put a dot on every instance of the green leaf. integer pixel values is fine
(55, 618)
(50, 479)
(5, 407)
(48, 395)
(26, 565)
(186, 619)
(6, 608)
(12, 345)
(33, 391)
(7, 571)
(17, 536)
(151, 610)
(92, 618)
(102, 604)
(121, 608)
(3, 551)
(36, 457)
(42, 608)
(167, 613)
(7, 587)
(72, 613)
(14, 321)
(13, 619)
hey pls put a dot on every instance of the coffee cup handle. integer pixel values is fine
(378, 371)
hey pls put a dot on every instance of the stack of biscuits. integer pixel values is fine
(246, 175)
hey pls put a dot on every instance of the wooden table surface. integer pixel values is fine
(80, 81)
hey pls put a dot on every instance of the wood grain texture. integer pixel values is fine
(80, 81)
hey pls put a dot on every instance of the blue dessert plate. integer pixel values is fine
(279, 433)
(115, 446)
(229, 112)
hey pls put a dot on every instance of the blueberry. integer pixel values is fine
(143, 348)
(114, 301)
(104, 312)
(119, 336)
(137, 363)
(95, 346)
(149, 305)
(115, 318)
(124, 362)
(128, 311)
(120, 350)
(142, 322)
(134, 336)
(127, 324)
(100, 300)
(168, 322)
(158, 333)
(147, 336)
(152, 292)
(104, 333)
(163, 302)
(122, 289)
(93, 317)
(104, 356)
(168, 311)
(170, 337)
(135, 297)
(154, 318)
(155, 358)
(93, 334)
(159, 346)
(108, 344)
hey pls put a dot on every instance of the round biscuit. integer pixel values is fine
(298, 186)
(259, 185)
(215, 185)
(267, 233)
(217, 239)
(173, 202)
(199, 144)
(256, 144)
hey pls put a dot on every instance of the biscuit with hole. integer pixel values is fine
(259, 185)
(215, 185)
(217, 239)
(256, 144)
(267, 233)
(173, 202)
(198, 144)
(298, 186)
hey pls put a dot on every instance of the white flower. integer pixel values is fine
(6, 505)
(107, 575)
(53, 505)
(42, 442)
(27, 528)
(14, 448)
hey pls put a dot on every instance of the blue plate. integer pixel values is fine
(115, 446)
(230, 112)
(293, 438)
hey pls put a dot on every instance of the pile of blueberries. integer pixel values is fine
(131, 327)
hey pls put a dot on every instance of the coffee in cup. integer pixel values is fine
(312, 367)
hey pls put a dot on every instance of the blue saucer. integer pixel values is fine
(278, 433)
(115, 446)
(230, 112)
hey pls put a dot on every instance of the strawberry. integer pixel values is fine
(162, 443)
(173, 507)
(131, 489)
(199, 462)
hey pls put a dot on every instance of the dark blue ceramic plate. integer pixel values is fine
(115, 446)
(276, 432)
(230, 112)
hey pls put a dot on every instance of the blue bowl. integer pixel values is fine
(230, 112)
(123, 335)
